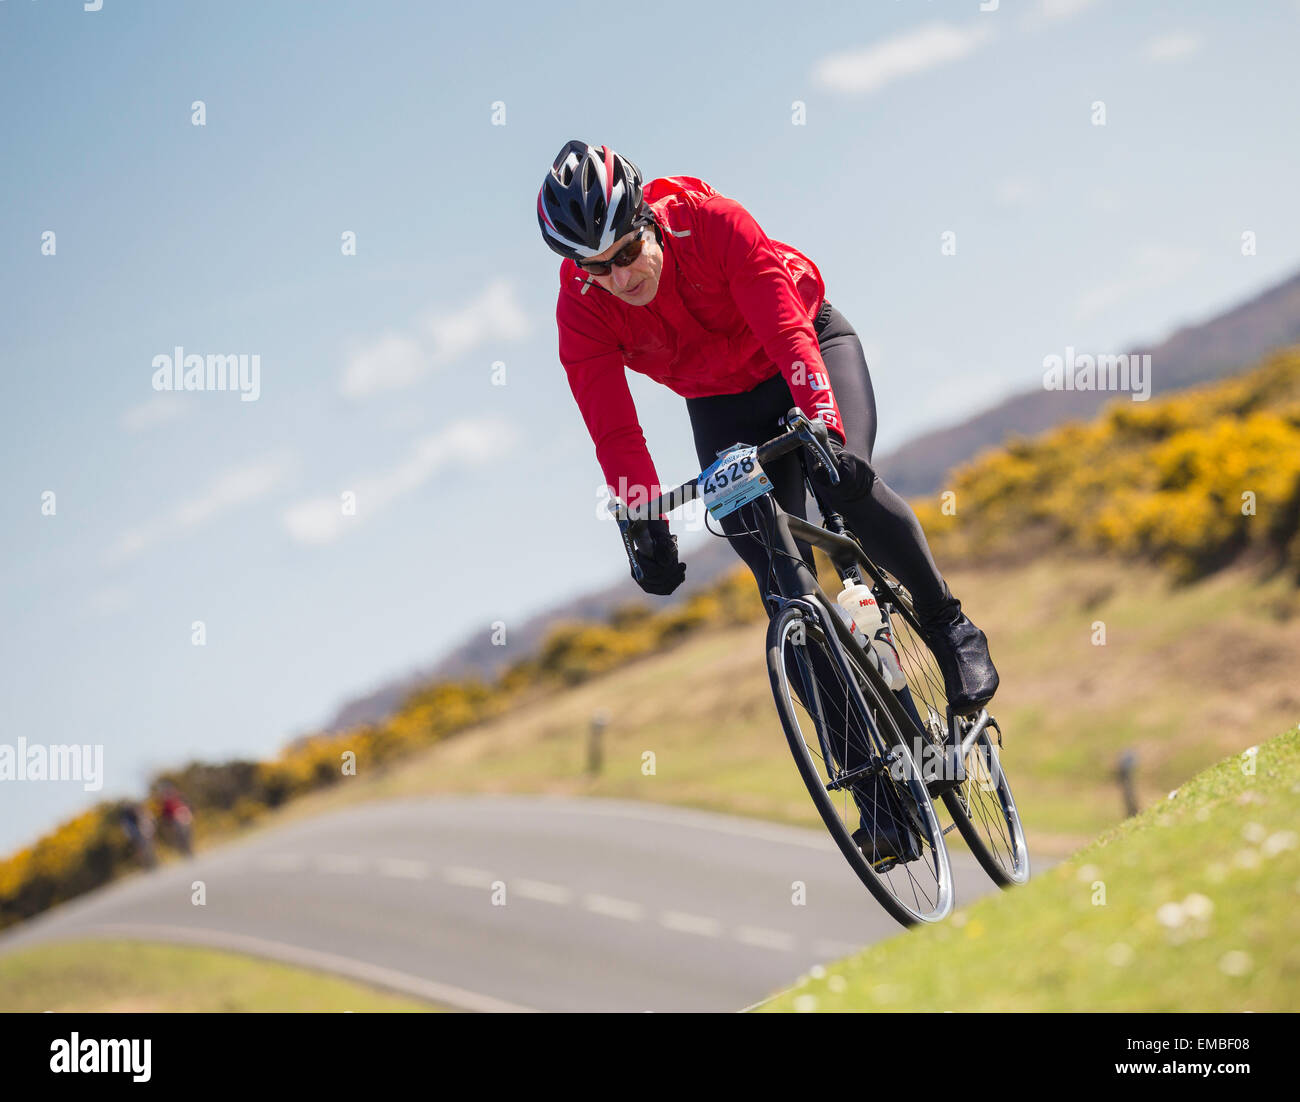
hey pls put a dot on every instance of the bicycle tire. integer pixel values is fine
(880, 883)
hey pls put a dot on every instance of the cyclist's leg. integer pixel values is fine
(883, 521)
(890, 532)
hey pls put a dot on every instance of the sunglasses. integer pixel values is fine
(621, 259)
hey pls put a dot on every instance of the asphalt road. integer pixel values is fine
(515, 903)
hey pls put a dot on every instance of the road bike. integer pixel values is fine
(873, 758)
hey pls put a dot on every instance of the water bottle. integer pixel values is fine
(860, 638)
(851, 624)
(859, 603)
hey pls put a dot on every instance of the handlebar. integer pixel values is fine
(800, 432)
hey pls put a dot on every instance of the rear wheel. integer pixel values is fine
(855, 762)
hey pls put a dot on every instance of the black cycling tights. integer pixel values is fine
(882, 520)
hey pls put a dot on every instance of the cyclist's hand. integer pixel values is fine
(656, 555)
(856, 475)
(833, 432)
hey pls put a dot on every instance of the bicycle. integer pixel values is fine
(855, 760)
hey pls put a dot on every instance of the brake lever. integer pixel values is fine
(628, 529)
(814, 433)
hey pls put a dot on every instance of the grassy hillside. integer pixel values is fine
(1161, 686)
(97, 976)
(1189, 906)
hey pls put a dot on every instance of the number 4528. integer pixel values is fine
(720, 478)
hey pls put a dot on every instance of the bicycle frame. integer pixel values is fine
(794, 583)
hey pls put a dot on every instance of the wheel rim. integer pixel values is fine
(985, 799)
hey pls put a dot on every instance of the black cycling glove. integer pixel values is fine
(656, 554)
(856, 475)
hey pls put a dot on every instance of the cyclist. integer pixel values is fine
(680, 283)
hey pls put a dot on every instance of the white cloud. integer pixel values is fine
(235, 487)
(396, 360)
(871, 68)
(1151, 267)
(1063, 9)
(472, 442)
(1056, 11)
(493, 315)
(158, 410)
(390, 363)
(1174, 46)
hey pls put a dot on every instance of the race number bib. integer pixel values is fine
(734, 480)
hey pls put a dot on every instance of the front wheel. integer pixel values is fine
(856, 765)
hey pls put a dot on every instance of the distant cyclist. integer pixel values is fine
(675, 281)
(175, 817)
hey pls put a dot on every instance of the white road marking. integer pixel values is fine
(361, 970)
(466, 877)
(340, 863)
(691, 924)
(540, 890)
(764, 938)
(403, 868)
(614, 908)
(686, 817)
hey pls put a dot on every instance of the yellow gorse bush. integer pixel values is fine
(1190, 481)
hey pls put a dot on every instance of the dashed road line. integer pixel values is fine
(691, 924)
(545, 892)
(542, 891)
(403, 868)
(467, 877)
(762, 938)
(614, 908)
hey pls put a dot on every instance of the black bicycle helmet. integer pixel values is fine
(589, 199)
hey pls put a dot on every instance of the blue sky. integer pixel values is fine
(477, 502)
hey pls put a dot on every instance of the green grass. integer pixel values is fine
(141, 976)
(1187, 675)
(1189, 906)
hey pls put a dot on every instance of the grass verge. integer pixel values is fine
(90, 976)
(1188, 906)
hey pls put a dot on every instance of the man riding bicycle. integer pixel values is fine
(672, 279)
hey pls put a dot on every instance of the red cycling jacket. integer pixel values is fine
(733, 308)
